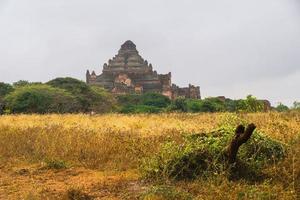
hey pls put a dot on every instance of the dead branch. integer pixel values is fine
(241, 137)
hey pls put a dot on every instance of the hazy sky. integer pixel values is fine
(227, 47)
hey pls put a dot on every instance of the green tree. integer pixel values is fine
(88, 98)
(296, 105)
(250, 104)
(194, 105)
(155, 99)
(40, 99)
(281, 108)
(103, 100)
(142, 103)
(179, 104)
(5, 89)
(213, 104)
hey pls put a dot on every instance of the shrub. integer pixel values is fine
(194, 105)
(197, 105)
(20, 83)
(203, 155)
(212, 105)
(139, 109)
(89, 98)
(5, 89)
(250, 104)
(155, 99)
(55, 164)
(145, 103)
(281, 108)
(129, 99)
(296, 105)
(179, 104)
(40, 99)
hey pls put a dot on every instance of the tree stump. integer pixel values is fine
(241, 137)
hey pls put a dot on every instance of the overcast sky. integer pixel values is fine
(231, 48)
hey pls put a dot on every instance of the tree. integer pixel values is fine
(88, 98)
(155, 99)
(281, 108)
(194, 105)
(4, 90)
(296, 105)
(250, 104)
(180, 104)
(40, 99)
(213, 104)
(103, 101)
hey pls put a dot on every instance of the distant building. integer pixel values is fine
(128, 72)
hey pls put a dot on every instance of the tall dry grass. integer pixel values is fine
(115, 141)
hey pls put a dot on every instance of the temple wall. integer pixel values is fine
(128, 72)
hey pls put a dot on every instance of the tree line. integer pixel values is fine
(69, 95)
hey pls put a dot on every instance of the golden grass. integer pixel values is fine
(116, 143)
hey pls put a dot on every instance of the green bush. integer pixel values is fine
(145, 103)
(56, 164)
(139, 109)
(89, 98)
(155, 99)
(202, 155)
(250, 104)
(40, 99)
(281, 108)
(179, 104)
(129, 99)
(194, 105)
(296, 105)
(5, 89)
(213, 105)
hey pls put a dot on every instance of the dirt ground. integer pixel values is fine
(34, 182)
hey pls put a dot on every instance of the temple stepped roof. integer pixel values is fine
(127, 56)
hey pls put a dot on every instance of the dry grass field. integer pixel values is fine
(98, 157)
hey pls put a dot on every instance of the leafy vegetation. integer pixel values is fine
(5, 89)
(55, 164)
(281, 108)
(89, 98)
(40, 99)
(145, 103)
(203, 155)
(95, 99)
(296, 105)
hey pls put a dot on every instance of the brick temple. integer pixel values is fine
(128, 72)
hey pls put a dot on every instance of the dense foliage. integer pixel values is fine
(86, 99)
(281, 108)
(89, 98)
(202, 155)
(61, 95)
(5, 89)
(40, 99)
(145, 103)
